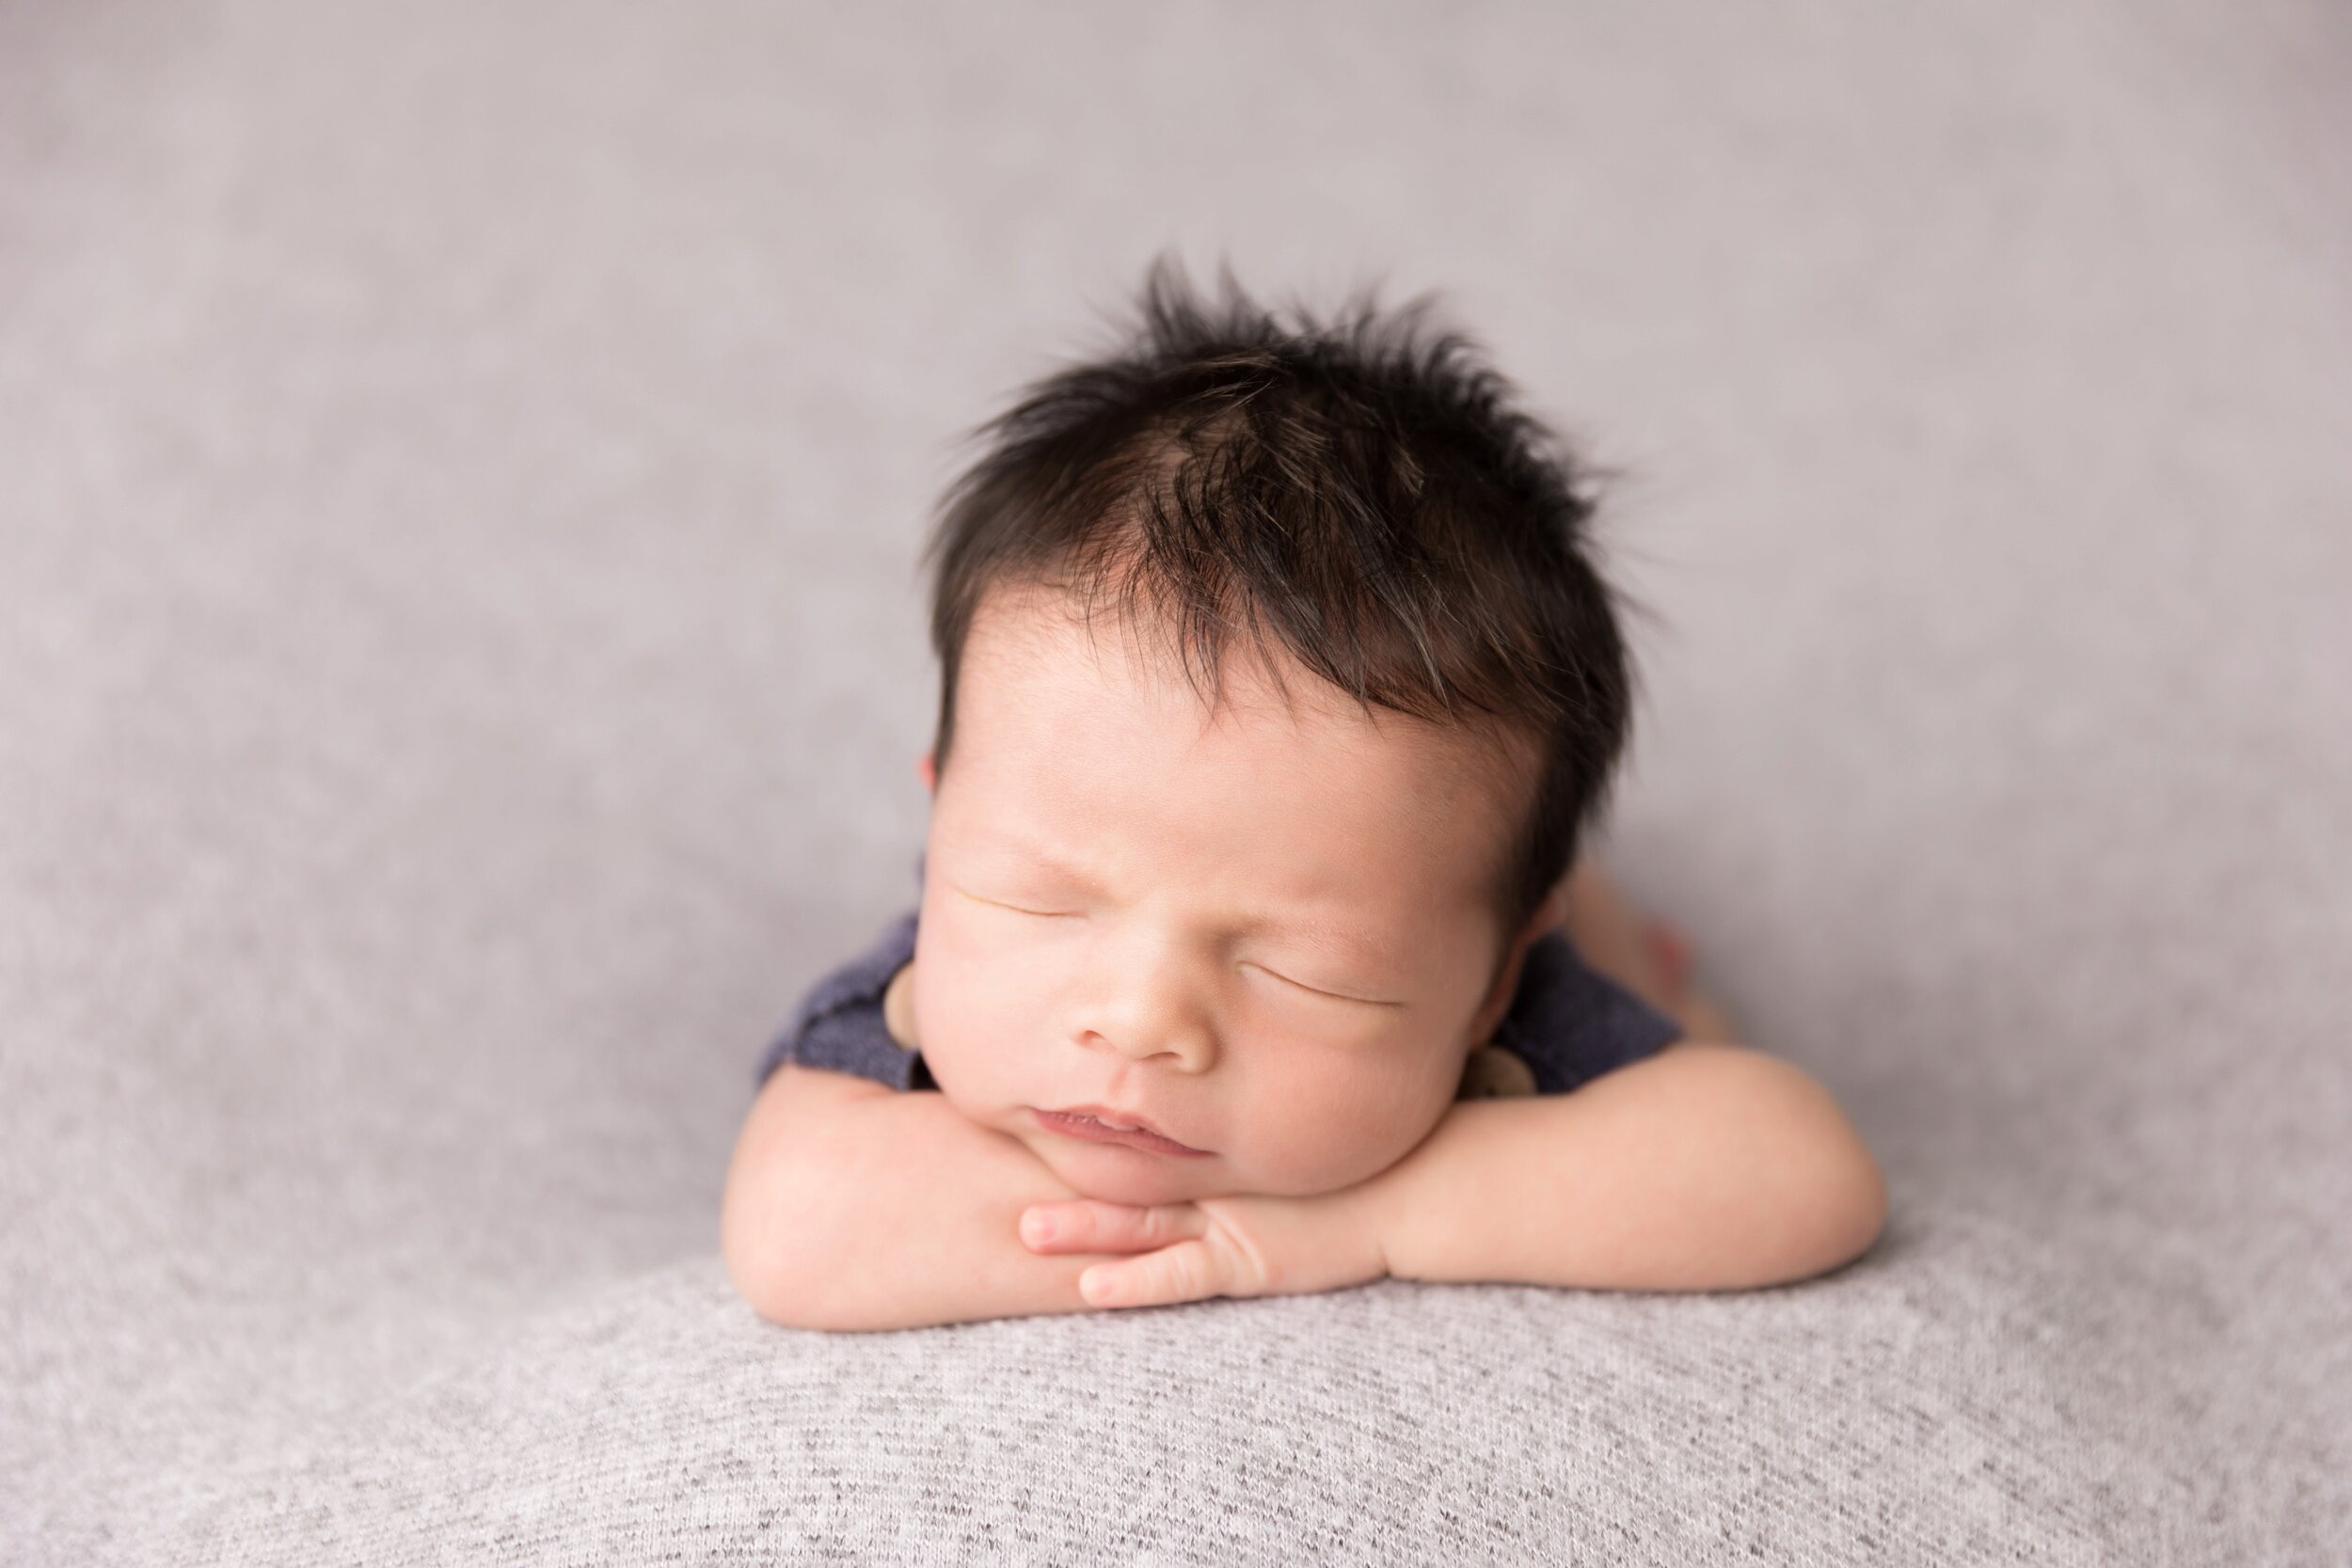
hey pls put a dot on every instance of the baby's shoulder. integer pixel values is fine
(1567, 1023)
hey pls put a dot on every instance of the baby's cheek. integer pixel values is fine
(1336, 1128)
(973, 1036)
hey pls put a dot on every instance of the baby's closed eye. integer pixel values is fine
(1017, 908)
(1320, 990)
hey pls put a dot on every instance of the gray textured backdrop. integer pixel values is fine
(461, 669)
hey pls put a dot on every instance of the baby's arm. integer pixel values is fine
(1706, 1167)
(852, 1206)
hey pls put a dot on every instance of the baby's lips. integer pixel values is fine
(1096, 1124)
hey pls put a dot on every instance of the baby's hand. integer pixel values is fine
(1247, 1245)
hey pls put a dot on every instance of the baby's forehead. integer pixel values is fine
(1055, 689)
(1028, 635)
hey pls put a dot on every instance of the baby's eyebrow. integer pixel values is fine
(1044, 860)
(1344, 942)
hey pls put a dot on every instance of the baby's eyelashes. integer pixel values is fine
(1016, 909)
(1318, 990)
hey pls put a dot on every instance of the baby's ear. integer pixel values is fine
(1506, 982)
(928, 774)
(1549, 915)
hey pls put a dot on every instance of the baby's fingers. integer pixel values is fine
(1090, 1225)
(1189, 1271)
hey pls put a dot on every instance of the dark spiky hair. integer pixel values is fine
(1365, 491)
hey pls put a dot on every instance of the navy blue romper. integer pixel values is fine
(1567, 1022)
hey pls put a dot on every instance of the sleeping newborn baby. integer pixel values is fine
(1253, 952)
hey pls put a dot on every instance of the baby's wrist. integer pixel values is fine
(1395, 1207)
(1367, 1213)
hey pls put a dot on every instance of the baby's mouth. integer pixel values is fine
(1088, 1125)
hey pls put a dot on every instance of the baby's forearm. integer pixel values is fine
(1705, 1168)
(895, 1211)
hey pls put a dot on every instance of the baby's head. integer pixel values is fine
(1278, 687)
